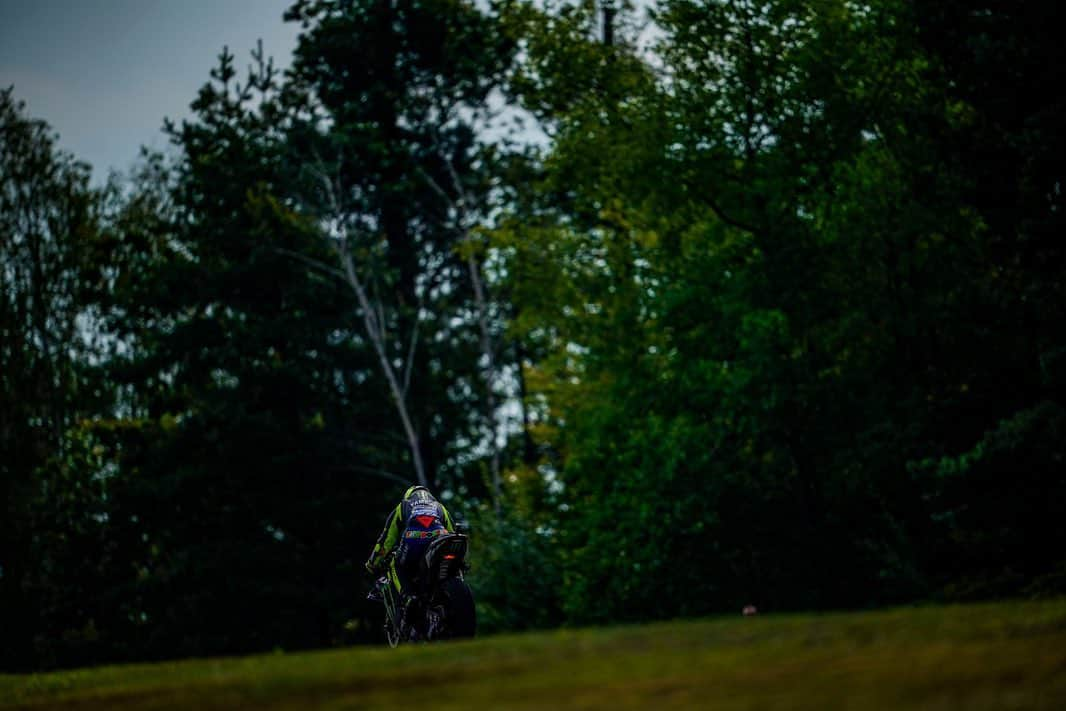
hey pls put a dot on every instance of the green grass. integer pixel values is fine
(995, 656)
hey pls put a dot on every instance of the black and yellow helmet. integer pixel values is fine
(417, 494)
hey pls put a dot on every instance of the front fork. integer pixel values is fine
(391, 600)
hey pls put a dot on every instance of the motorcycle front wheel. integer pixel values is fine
(392, 635)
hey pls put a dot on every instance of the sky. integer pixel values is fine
(105, 73)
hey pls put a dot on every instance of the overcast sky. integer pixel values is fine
(104, 73)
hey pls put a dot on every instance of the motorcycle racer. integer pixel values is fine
(409, 529)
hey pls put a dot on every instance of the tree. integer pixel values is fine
(50, 269)
(388, 97)
(257, 461)
(755, 282)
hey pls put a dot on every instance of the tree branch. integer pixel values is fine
(313, 263)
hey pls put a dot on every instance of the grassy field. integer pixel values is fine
(997, 656)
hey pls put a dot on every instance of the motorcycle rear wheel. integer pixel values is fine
(459, 607)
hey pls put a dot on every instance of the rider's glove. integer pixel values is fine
(371, 567)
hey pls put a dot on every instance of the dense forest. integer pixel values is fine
(681, 307)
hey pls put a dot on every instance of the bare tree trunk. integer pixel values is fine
(374, 322)
(608, 11)
(489, 375)
(375, 329)
(529, 452)
(460, 205)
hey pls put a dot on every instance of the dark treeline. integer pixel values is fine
(732, 302)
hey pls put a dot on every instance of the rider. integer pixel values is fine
(410, 528)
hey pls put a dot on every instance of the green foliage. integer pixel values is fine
(759, 288)
(516, 573)
(997, 503)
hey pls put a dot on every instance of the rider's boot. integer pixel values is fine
(409, 618)
(377, 593)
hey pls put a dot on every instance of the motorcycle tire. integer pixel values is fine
(461, 616)
(392, 635)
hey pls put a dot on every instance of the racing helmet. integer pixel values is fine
(418, 494)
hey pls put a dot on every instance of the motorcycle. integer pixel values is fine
(439, 604)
